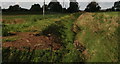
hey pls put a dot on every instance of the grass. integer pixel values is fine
(98, 34)
(31, 23)
(60, 25)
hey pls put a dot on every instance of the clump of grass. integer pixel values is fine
(5, 30)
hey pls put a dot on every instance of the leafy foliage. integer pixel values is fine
(73, 7)
(93, 7)
(55, 6)
(35, 7)
(117, 6)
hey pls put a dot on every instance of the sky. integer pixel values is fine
(58, 0)
(82, 3)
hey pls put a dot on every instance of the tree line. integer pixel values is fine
(57, 7)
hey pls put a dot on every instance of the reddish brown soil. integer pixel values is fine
(28, 39)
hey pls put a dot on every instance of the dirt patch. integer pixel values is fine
(13, 21)
(18, 21)
(29, 39)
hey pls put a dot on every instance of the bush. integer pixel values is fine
(5, 30)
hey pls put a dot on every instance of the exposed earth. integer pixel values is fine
(30, 39)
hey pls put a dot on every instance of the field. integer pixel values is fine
(77, 37)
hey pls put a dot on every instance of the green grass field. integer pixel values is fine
(97, 32)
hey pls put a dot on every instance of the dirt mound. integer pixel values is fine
(29, 39)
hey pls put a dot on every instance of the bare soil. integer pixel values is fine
(13, 21)
(29, 39)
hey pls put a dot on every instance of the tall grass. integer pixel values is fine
(98, 34)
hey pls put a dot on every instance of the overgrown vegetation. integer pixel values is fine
(62, 28)
(98, 34)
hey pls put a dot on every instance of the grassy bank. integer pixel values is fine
(97, 32)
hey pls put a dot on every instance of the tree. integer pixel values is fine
(110, 9)
(0, 8)
(35, 7)
(116, 6)
(55, 6)
(73, 6)
(14, 8)
(93, 7)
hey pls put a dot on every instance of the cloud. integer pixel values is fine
(17, 3)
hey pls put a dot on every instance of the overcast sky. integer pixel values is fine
(82, 3)
(58, 0)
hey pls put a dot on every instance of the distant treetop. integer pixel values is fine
(35, 7)
(54, 6)
(93, 7)
(117, 6)
(74, 7)
(14, 8)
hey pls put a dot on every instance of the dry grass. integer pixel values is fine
(97, 31)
